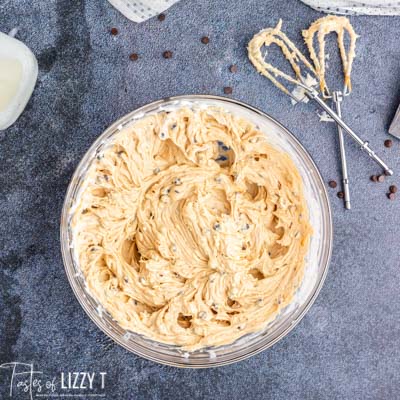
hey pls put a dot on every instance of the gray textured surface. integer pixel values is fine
(348, 344)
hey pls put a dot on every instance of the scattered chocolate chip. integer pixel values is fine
(332, 184)
(388, 143)
(381, 178)
(374, 178)
(391, 196)
(340, 195)
(133, 57)
(205, 40)
(161, 17)
(228, 90)
(393, 189)
(233, 68)
(167, 54)
(114, 31)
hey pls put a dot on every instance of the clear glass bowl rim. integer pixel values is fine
(147, 352)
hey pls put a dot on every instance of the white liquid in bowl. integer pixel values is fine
(10, 81)
(18, 74)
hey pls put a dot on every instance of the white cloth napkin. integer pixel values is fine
(140, 10)
(351, 7)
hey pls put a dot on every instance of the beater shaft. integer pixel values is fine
(337, 99)
(313, 94)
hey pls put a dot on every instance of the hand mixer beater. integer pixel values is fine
(321, 27)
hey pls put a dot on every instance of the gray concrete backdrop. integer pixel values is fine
(347, 347)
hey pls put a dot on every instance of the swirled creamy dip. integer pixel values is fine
(191, 229)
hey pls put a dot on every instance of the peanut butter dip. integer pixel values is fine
(191, 229)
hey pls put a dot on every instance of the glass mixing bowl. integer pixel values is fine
(316, 263)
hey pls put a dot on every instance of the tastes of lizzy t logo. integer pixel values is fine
(22, 381)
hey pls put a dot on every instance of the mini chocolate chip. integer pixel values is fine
(233, 68)
(388, 143)
(246, 227)
(133, 57)
(332, 184)
(374, 178)
(387, 173)
(114, 31)
(391, 196)
(205, 40)
(202, 315)
(228, 90)
(340, 195)
(381, 178)
(167, 54)
(161, 17)
(393, 189)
